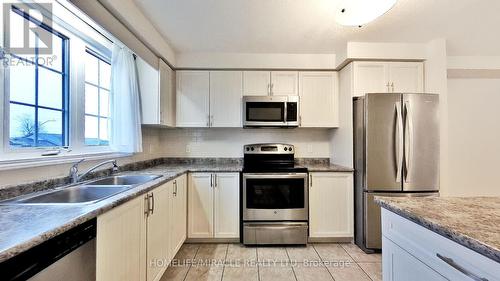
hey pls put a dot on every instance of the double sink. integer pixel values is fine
(89, 192)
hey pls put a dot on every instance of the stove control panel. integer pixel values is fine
(269, 148)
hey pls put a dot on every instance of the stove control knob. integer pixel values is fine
(252, 149)
(286, 149)
(248, 148)
(290, 148)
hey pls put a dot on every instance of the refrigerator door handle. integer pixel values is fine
(408, 141)
(399, 141)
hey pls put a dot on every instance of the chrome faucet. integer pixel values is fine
(73, 171)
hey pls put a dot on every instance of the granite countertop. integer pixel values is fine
(327, 167)
(473, 222)
(25, 226)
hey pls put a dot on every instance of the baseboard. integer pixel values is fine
(330, 240)
(213, 240)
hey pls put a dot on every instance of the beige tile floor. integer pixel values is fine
(316, 262)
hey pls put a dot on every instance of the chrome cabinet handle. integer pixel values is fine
(269, 88)
(211, 180)
(272, 86)
(387, 85)
(310, 180)
(146, 205)
(392, 86)
(398, 142)
(175, 188)
(408, 141)
(215, 179)
(460, 268)
(153, 203)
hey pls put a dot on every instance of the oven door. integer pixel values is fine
(275, 197)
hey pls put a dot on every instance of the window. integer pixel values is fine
(97, 84)
(38, 89)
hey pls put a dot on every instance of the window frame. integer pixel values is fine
(81, 35)
(101, 59)
(65, 90)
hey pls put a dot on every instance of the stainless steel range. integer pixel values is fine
(274, 196)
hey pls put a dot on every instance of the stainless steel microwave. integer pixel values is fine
(270, 111)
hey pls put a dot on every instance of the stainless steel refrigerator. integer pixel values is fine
(396, 153)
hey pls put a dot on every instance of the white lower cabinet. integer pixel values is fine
(137, 241)
(413, 252)
(331, 205)
(121, 243)
(213, 205)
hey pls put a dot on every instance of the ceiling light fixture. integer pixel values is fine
(360, 12)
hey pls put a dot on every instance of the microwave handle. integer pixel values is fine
(286, 113)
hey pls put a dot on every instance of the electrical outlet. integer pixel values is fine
(188, 148)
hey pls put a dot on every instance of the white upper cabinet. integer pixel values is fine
(157, 93)
(370, 77)
(406, 77)
(226, 90)
(193, 88)
(263, 83)
(256, 83)
(388, 77)
(284, 83)
(318, 93)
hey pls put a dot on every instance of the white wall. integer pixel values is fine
(474, 137)
(218, 142)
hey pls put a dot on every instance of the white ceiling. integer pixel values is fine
(308, 26)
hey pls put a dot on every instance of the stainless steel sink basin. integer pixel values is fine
(72, 194)
(124, 180)
(89, 192)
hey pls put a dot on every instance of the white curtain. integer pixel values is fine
(125, 135)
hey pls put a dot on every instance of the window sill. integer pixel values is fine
(39, 161)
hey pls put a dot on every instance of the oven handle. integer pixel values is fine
(274, 176)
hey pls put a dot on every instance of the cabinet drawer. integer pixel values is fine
(441, 254)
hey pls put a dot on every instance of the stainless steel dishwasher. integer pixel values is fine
(68, 256)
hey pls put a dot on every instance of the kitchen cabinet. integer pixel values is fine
(387, 77)
(178, 214)
(137, 240)
(319, 99)
(213, 205)
(263, 83)
(193, 100)
(413, 252)
(157, 91)
(158, 232)
(226, 90)
(121, 243)
(331, 193)
(209, 98)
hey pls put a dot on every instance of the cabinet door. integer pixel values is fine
(370, 77)
(284, 83)
(319, 105)
(226, 205)
(406, 77)
(256, 83)
(332, 194)
(226, 90)
(192, 98)
(121, 241)
(158, 232)
(178, 215)
(397, 264)
(200, 205)
(167, 95)
(148, 79)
